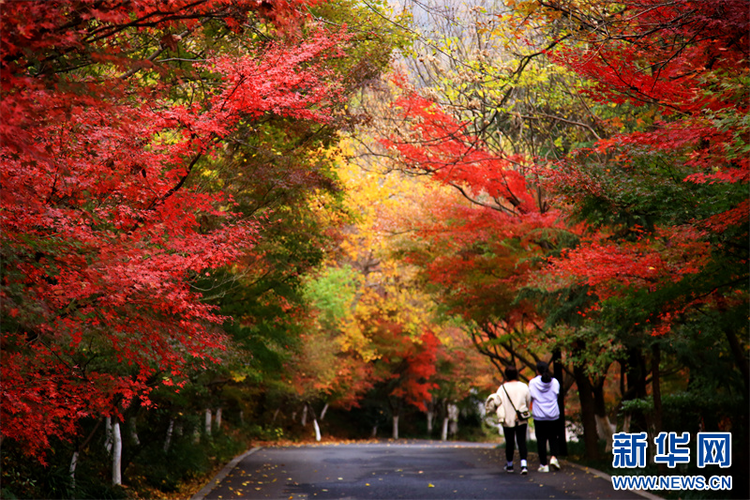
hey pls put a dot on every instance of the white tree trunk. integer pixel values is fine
(168, 440)
(444, 434)
(134, 432)
(430, 416)
(208, 421)
(242, 416)
(116, 455)
(304, 416)
(108, 434)
(395, 427)
(317, 429)
(374, 431)
(218, 419)
(604, 429)
(323, 412)
(453, 416)
(73, 465)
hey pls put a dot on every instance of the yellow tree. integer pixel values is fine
(382, 329)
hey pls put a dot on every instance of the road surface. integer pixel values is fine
(390, 471)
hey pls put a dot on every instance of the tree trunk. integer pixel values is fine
(604, 430)
(740, 357)
(208, 422)
(116, 454)
(108, 434)
(444, 434)
(77, 454)
(636, 388)
(323, 412)
(430, 416)
(316, 426)
(72, 470)
(588, 417)
(656, 389)
(317, 429)
(626, 423)
(218, 419)
(395, 406)
(453, 417)
(304, 415)
(603, 425)
(168, 440)
(134, 431)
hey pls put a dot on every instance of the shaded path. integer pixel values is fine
(422, 470)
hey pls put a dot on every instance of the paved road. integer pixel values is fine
(427, 470)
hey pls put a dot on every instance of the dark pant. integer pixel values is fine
(546, 431)
(513, 435)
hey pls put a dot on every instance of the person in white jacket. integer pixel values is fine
(513, 395)
(544, 390)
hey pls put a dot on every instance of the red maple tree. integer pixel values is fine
(682, 67)
(104, 227)
(478, 251)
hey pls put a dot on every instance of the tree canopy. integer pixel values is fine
(277, 208)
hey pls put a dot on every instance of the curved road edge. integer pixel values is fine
(222, 474)
(200, 495)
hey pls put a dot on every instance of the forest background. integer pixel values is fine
(227, 222)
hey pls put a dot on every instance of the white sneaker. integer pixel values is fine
(554, 463)
(544, 468)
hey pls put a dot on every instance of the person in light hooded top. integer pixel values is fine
(544, 390)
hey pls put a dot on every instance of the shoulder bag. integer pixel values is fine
(521, 415)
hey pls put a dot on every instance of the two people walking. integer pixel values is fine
(512, 399)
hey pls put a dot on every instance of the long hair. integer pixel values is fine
(542, 369)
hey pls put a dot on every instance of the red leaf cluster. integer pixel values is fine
(103, 231)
